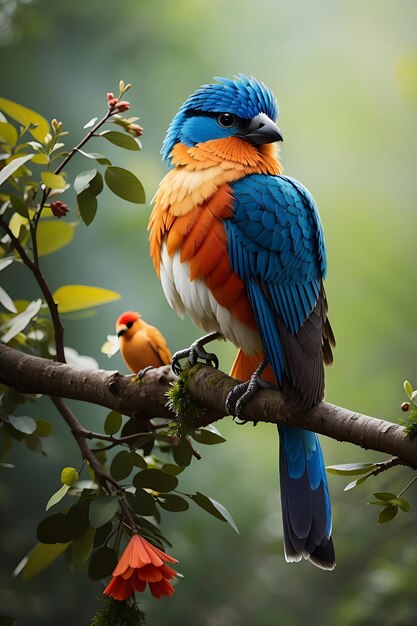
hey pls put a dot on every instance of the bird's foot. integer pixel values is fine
(239, 396)
(195, 352)
(141, 373)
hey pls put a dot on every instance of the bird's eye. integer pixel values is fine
(226, 120)
(129, 324)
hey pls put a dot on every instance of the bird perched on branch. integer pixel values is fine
(239, 248)
(141, 344)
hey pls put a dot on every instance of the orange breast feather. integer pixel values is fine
(190, 204)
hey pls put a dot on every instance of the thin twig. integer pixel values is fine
(407, 486)
(386, 465)
(102, 476)
(115, 440)
(40, 279)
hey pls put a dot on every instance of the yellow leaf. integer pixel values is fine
(40, 158)
(54, 181)
(16, 222)
(26, 117)
(76, 297)
(53, 236)
(39, 558)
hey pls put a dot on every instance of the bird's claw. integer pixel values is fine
(238, 397)
(141, 373)
(195, 352)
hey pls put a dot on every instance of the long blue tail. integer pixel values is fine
(305, 501)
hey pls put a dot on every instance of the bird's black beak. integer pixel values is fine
(122, 331)
(261, 130)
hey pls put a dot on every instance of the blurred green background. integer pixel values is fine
(344, 74)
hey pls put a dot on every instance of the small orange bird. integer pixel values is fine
(142, 345)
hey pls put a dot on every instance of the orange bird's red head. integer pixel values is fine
(141, 344)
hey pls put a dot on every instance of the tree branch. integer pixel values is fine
(147, 399)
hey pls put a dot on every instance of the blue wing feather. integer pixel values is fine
(276, 245)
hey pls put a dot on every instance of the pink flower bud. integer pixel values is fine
(122, 106)
(135, 129)
(110, 96)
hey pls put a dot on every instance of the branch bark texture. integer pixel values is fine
(147, 399)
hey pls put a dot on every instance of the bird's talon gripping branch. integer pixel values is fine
(195, 352)
(141, 373)
(239, 396)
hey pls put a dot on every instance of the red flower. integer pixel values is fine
(59, 209)
(141, 563)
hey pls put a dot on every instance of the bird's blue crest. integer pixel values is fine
(242, 96)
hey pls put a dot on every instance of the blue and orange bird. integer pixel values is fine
(239, 248)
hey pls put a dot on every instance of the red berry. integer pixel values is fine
(405, 406)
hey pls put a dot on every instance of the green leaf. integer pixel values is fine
(53, 181)
(172, 502)
(87, 206)
(112, 423)
(143, 503)
(38, 559)
(77, 297)
(83, 546)
(53, 236)
(7, 620)
(23, 424)
(357, 482)
(102, 564)
(38, 125)
(76, 520)
(44, 428)
(19, 205)
(214, 508)
(138, 460)
(57, 496)
(54, 529)
(6, 301)
(121, 140)
(102, 510)
(408, 388)
(387, 514)
(124, 184)
(96, 184)
(69, 476)
(14, 165)
(20, 321)
(403, 504)
(97, 157)
(155, 479)
(182, 452)
(349, 469)
(8, 134)
(385, 495)
(207, 437)
(170, 468)
(121, 465)
(83, 180)
(102, 533)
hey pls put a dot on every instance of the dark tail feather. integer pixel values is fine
(305, 499)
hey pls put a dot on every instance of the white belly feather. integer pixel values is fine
(195, 299)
